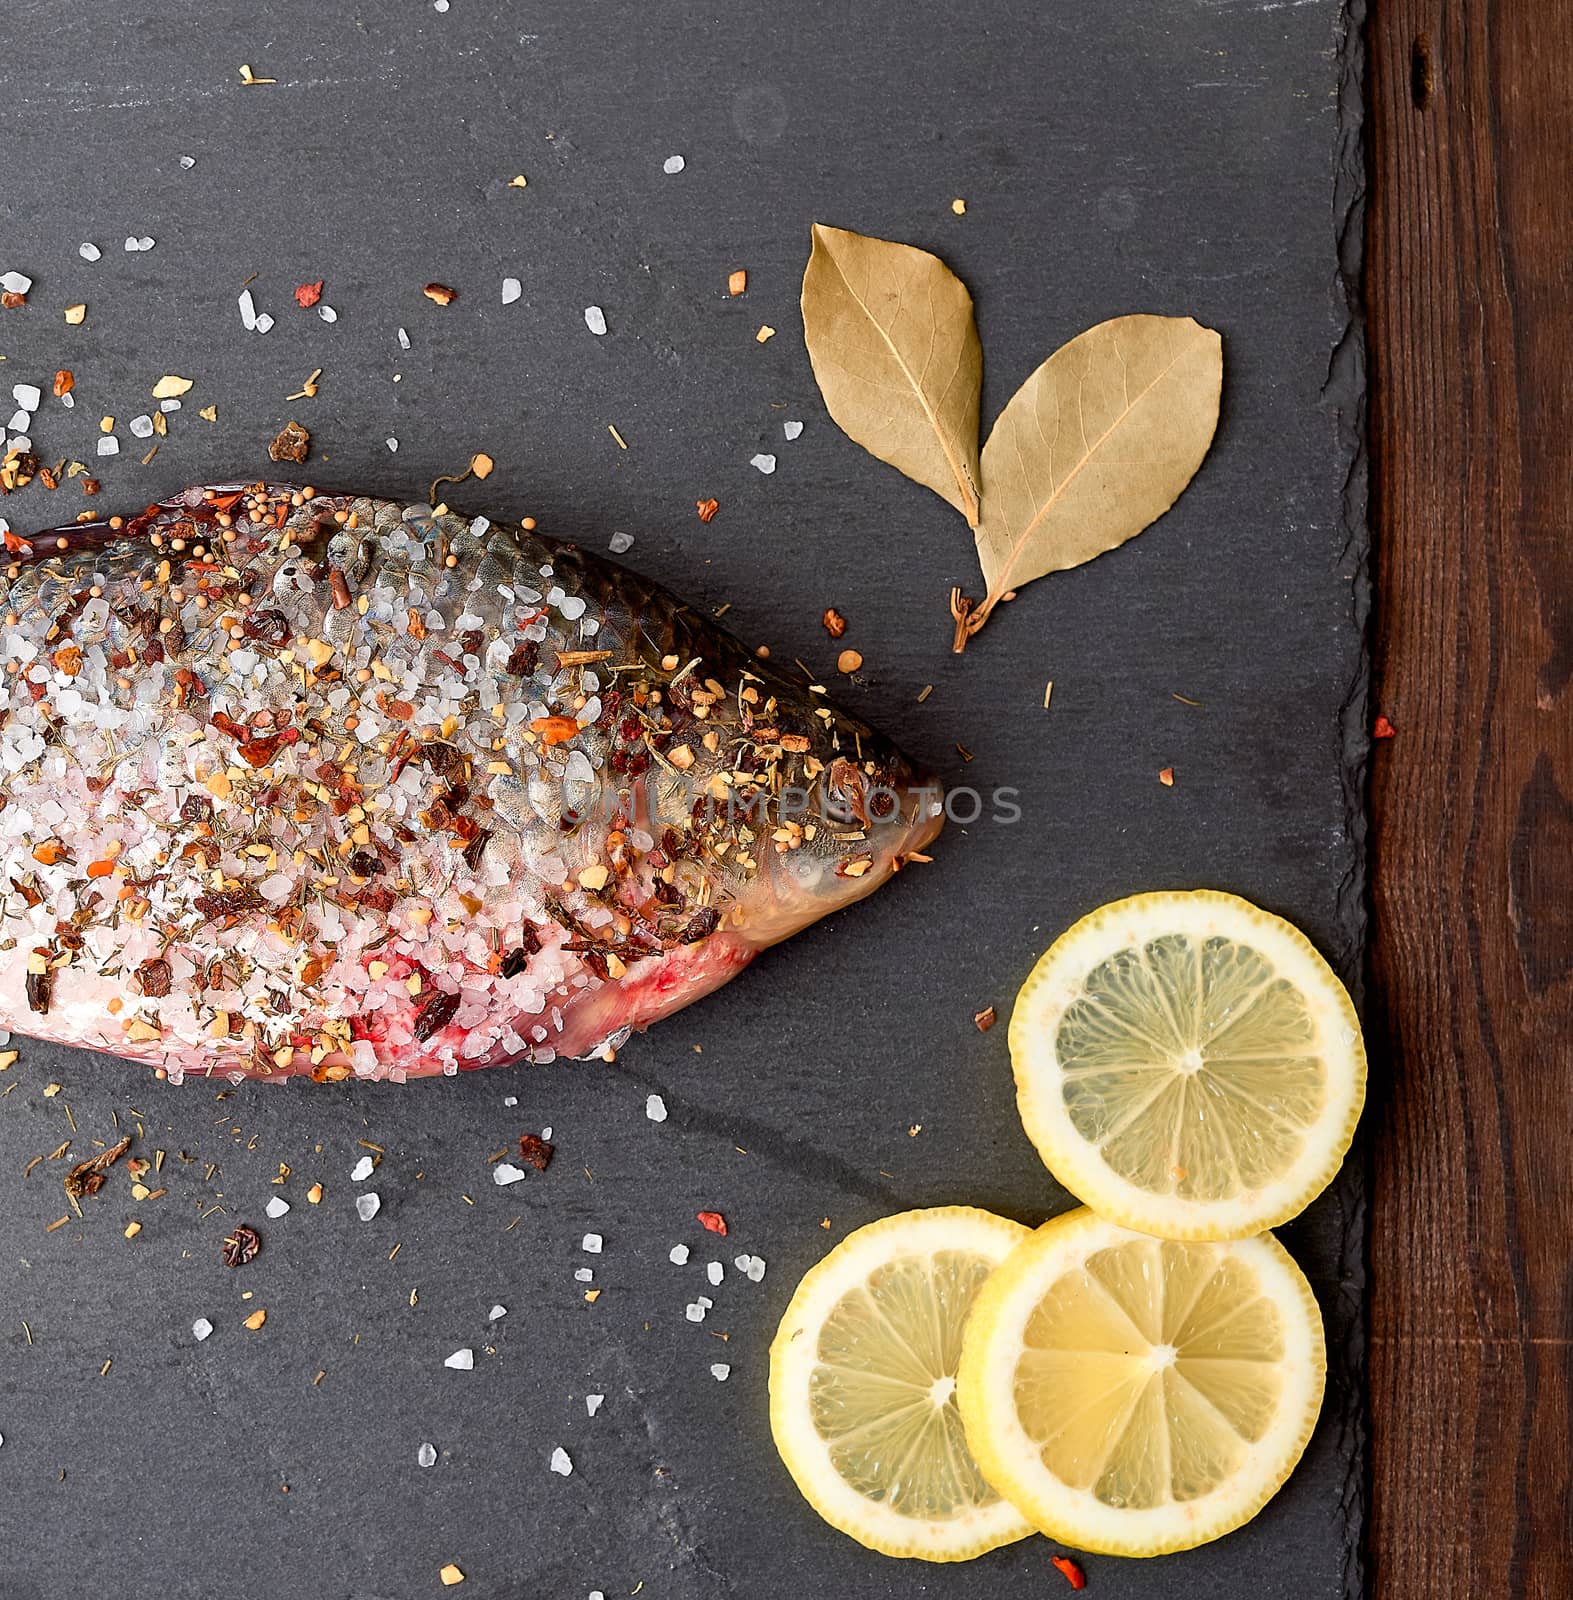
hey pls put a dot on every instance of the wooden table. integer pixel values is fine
(1470, 294)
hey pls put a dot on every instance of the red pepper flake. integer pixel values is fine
(308, 294)
(984, 1019)
(536, 1151)
(240, 1245)
(1068, 1569)
(440, 293)
(707, 509)
(712, 1222)
(1166, 777)
(1383, 729)
(554, 730)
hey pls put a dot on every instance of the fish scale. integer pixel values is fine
(301, 784)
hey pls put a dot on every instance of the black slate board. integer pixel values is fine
(1180, 156)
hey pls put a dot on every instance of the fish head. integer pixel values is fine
(861, 822)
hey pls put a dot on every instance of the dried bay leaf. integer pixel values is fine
(1094, 447)
(895, 351)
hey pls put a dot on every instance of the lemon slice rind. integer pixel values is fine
(794, 1357)
(1009, 1457)
(1056, 982)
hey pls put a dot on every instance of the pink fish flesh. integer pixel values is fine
(298, 784)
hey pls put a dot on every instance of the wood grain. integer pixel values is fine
(1470, 299)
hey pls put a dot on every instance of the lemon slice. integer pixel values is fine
(1134, 1395)
(863, 1378)
(1188, 1065)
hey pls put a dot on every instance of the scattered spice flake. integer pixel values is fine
(766, 332)
(927, 690)
(1072, 1574)
(59, 1222)
(622, 443)
(712, 1222)
(248, 76)
(133, 1229)
(1382, 729)
(209, 413)
(914, 1130)
(959, 206)
(1048, 693)
(308, 294)
(984, 1019)
(964, 753)
(848, 662)
(293, 444)
(65, 382)
(833, 622)
(536, 1151)
(1166, 777)
(451, 1575)
(75, 315)
(482, 464)
(171, 387)
(87, 1177)
(1183, 700)
(738, 282)
(519, 182)
(241, 1245)
(256, 1319)
(440, 294)
(707, 509)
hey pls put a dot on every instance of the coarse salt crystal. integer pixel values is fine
(561, 1465)
(15, 282)
(706, 1302)
(163, 405)
(327, 313)
(655, 1108)
(27, 395)
(593, 1403)
(277, 1207)
(755, 1270)
(362, 1169)
(793, 430)
(584, 1275)
(673, 165)
(592, 1244)
(264, 322)
(715, 1272)
(504, 1173)
(188, 162)
(88, 250)
(678, 1255)
(720, 1371)
(392, 444)
(108, 445)
(546, 1134)
(200, 1329)
(426, 1456)
(595, 320)
(68, 400)
(511, 290)
(439, 6)
(367, 1206)
(404, 340)
(20, 422)
(765, 463)
(694, 1312)
(248, 311)
(461, 1360)
(142, 427)
(24, 444)
(510, 1100)
(496, 1313)
(620, 542)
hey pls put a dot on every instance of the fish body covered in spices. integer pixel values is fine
(300, 784)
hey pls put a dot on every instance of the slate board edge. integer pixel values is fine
(1345, 396)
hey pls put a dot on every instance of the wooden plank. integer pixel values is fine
(1471, 320)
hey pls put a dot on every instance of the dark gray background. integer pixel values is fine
(1181, 156)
